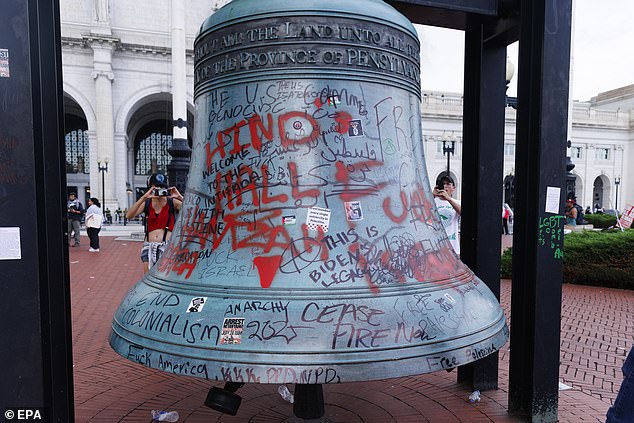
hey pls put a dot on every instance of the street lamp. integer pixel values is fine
(617, 182)
(448, 148)
(103, 169)
(510, 71)
(128, 190)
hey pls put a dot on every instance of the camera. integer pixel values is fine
(161, 192)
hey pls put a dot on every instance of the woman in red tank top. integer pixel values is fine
(160, 220)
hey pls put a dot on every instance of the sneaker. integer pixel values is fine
(93, 250)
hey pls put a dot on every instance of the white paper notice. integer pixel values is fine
(552, 199)
(4, 63)
(318, 218)
(10, 244)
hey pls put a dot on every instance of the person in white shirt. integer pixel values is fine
(448, 210)
(94, 217)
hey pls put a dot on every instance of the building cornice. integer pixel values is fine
(88, 40)
(450, 106)
(100, 39)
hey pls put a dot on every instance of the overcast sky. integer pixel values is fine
(603, 51)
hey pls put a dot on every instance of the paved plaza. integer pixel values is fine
(596, 333)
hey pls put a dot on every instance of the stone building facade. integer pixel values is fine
(602, 141)
(123, 87)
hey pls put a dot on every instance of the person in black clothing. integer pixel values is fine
(75, 212)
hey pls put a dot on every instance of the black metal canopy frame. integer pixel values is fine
(31, 124)
(543, 29)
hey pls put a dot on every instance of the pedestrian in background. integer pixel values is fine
(507, 216)
(571, 213)
(622, 410)
(448, 210)
(75, 212)
(94, 219)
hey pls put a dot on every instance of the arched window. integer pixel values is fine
(77, 151)
(150, 149)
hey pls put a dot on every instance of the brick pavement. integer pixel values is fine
(596, 334)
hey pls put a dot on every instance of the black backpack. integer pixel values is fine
(171, 216)
(581, 220)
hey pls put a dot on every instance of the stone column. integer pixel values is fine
(590, 153)
(587, 185)
(180, 151)
(92, 159)
(120, 168)
(103, 76)
(131, 161)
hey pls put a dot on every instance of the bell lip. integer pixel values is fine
(496, 326)
(247, 10)
(357, 371)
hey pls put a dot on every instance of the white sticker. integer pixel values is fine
(4, 63)
(196, 305)
(232, 330)
(353, 211)
(318, 218)
(10, 244)
(552, 199)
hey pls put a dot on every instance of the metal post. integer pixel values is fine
(103, 186)
(103, 169)
(35, 292)
(128, 192)
(544, 62)
(448, 150)
(180, 151)
(617, 182)
(448, 157)
(309, 401)
(482, 168)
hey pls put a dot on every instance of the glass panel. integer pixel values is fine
(77, 151)
(151, 153)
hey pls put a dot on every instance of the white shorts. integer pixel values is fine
(152, 252)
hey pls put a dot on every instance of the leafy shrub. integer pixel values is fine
(506, 266)
(600, 258)
(593, 258)
(601, 220)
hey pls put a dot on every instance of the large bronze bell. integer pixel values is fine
(308, 249)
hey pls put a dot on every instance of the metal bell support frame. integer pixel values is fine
(308, 249)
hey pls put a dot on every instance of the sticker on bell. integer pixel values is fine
(288, 220)
(232, 330)
(353, 211)
(4, 63)
(196, 305)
